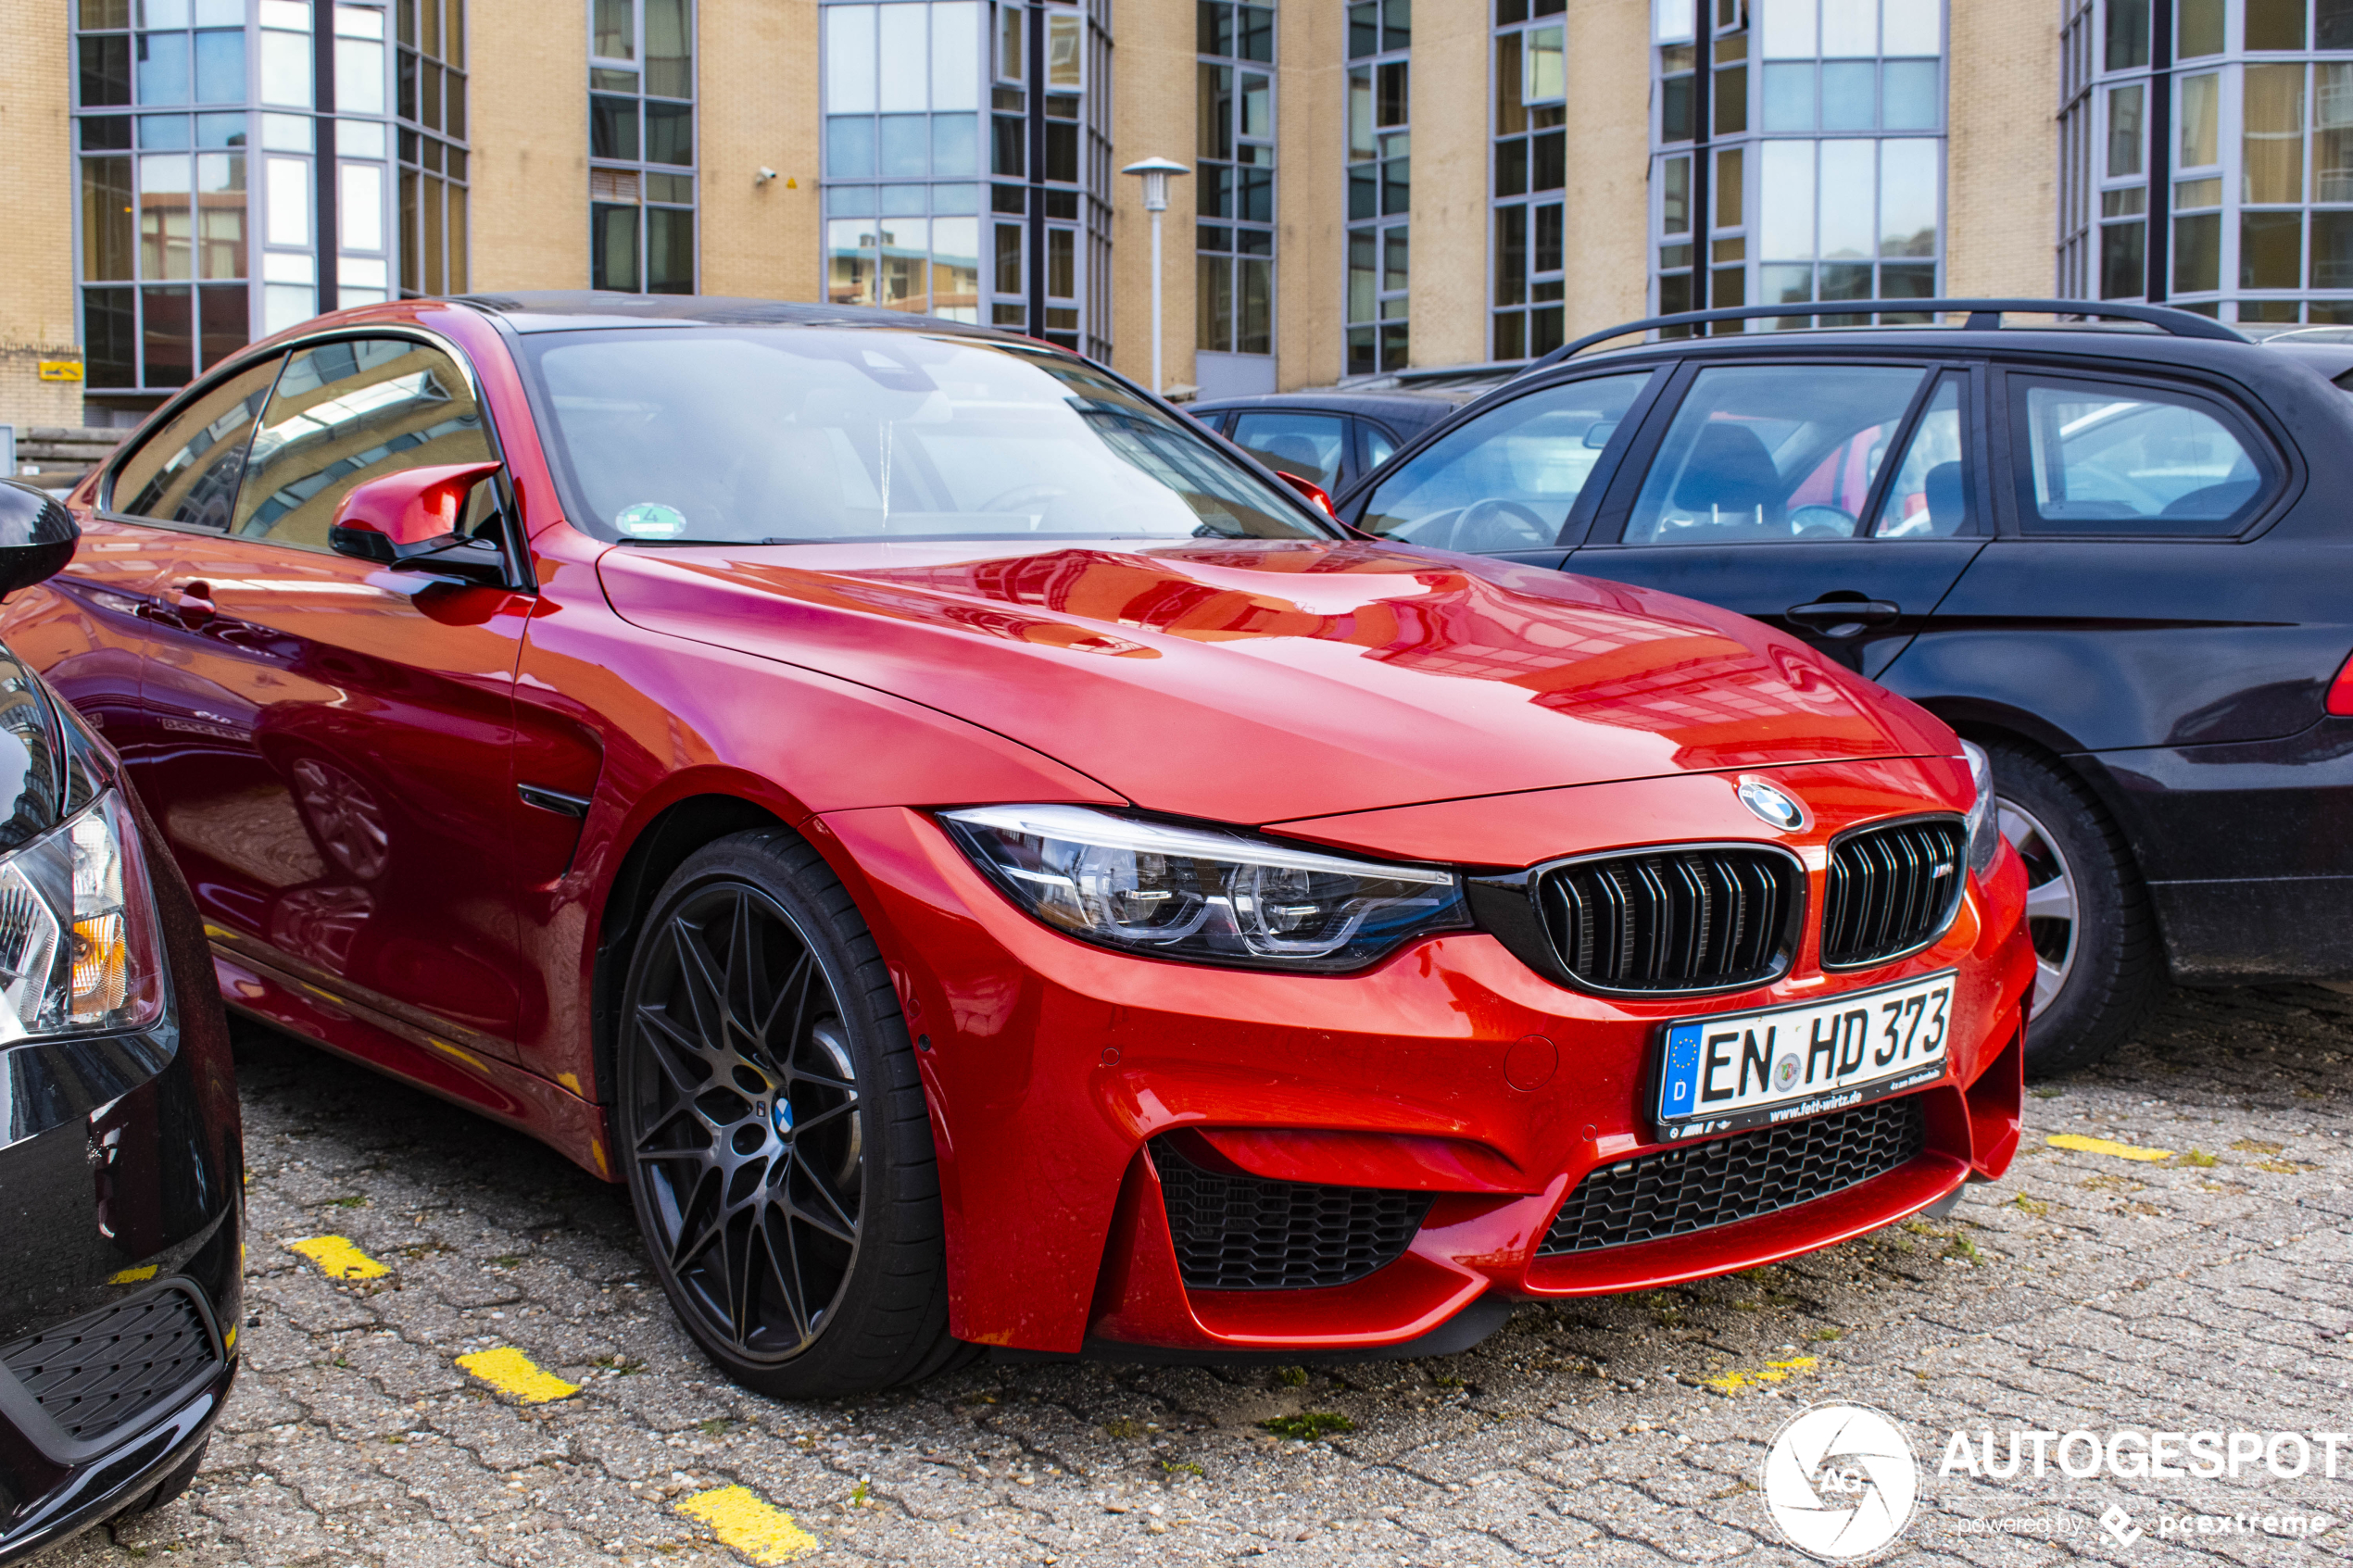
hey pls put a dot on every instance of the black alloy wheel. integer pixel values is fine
(2098, 964)
(773, 1124)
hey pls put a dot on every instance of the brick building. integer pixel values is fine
(1379, 185)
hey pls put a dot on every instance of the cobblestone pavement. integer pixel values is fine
(2211, 1289)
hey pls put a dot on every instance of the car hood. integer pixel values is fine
(1267, 681)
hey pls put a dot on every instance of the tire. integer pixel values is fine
(167, 1491)
(796, 1234)
(2099, 967)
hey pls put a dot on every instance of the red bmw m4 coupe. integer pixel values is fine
(989, 866)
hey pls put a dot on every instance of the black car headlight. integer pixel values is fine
(80, 949)
(1204, 894)
(1985, 831)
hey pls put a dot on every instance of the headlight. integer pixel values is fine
(1201, 894)
(79, 950)
(1984, 833)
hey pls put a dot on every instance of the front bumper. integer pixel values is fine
(1451, 1070)
(120, 1290)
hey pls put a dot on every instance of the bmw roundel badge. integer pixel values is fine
(1772, 806)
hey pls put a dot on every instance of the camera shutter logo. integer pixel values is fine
(1840, 1481)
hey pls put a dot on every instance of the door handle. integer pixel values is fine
(1843, 617)
(191, 604)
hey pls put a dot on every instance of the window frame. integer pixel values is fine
(522, 578)
(2282, 471)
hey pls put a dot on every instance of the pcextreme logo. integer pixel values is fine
(1840, 1481)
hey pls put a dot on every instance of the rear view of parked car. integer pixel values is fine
(2112, 558)
(120, 1173)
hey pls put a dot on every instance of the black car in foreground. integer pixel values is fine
(2115, 556)
(121, 1177)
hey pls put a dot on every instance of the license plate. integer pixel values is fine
(1743, 1070)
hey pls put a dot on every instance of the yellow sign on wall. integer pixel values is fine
(60, 369)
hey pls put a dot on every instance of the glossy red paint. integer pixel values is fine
(336, 750)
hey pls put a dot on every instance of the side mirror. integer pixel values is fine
(37, 535)
(1309, 488)
(405, 517)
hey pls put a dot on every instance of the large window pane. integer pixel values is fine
(905, 263)
(906, 141)
(670, 250)
(1789, 97)
(107, 220)
(1786, 30)
(2127, 44)
(359, 208)
(2199, 24)
(162, 71)
(669, 58)
(1785, 200)
(165, 201)
(2125, 109)
(221, 66)
(849, 146)
(2274, 24)
(2333, 133)
(286, 69)
(901, 44)
(1850, 28)
(105, 72)
(220, 215)
(849, 267)
(2332, 250)
(1911, 27)
(1908, 197)
(955, 56)
(2201, 117)
(1847, 186)
(670, 134)
(168, 337)
(2273, 140)
(849, 58)
(288, 195)
(2197, 253)
(359, 76)
(2270, 250)
(955, 268)
(955, 148)
(2124, 261)
(612, 247)
(1910, 97)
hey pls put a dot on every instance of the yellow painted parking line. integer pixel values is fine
(1771, 1371)
(2082, 1145)
(514, 1374)
(751, 1525)
(337, 1258)
(139, 1275)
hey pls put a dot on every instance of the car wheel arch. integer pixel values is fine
(660, 844)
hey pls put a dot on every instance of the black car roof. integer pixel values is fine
(551, 310)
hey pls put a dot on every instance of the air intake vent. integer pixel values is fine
(110, 1367)
(1698, 1186)
(1674, 920)
(1891, 890)
(1246, 1233)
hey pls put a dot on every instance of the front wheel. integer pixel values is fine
(2097, 967)
(773, 1126)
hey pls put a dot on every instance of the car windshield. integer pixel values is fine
(804, 434)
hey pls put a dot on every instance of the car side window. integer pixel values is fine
(1378, 445)
(1508, 478)
(346, 412)
(2123, 458)
(1311, 445)
(1762, 454)
(1930, 496)
(188, 471)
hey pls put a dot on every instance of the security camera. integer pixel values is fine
(766, 174)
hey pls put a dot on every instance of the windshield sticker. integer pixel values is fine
(650, 519)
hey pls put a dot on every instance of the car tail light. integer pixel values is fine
(2341, 690)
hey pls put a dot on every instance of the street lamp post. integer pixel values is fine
(1154, 172)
